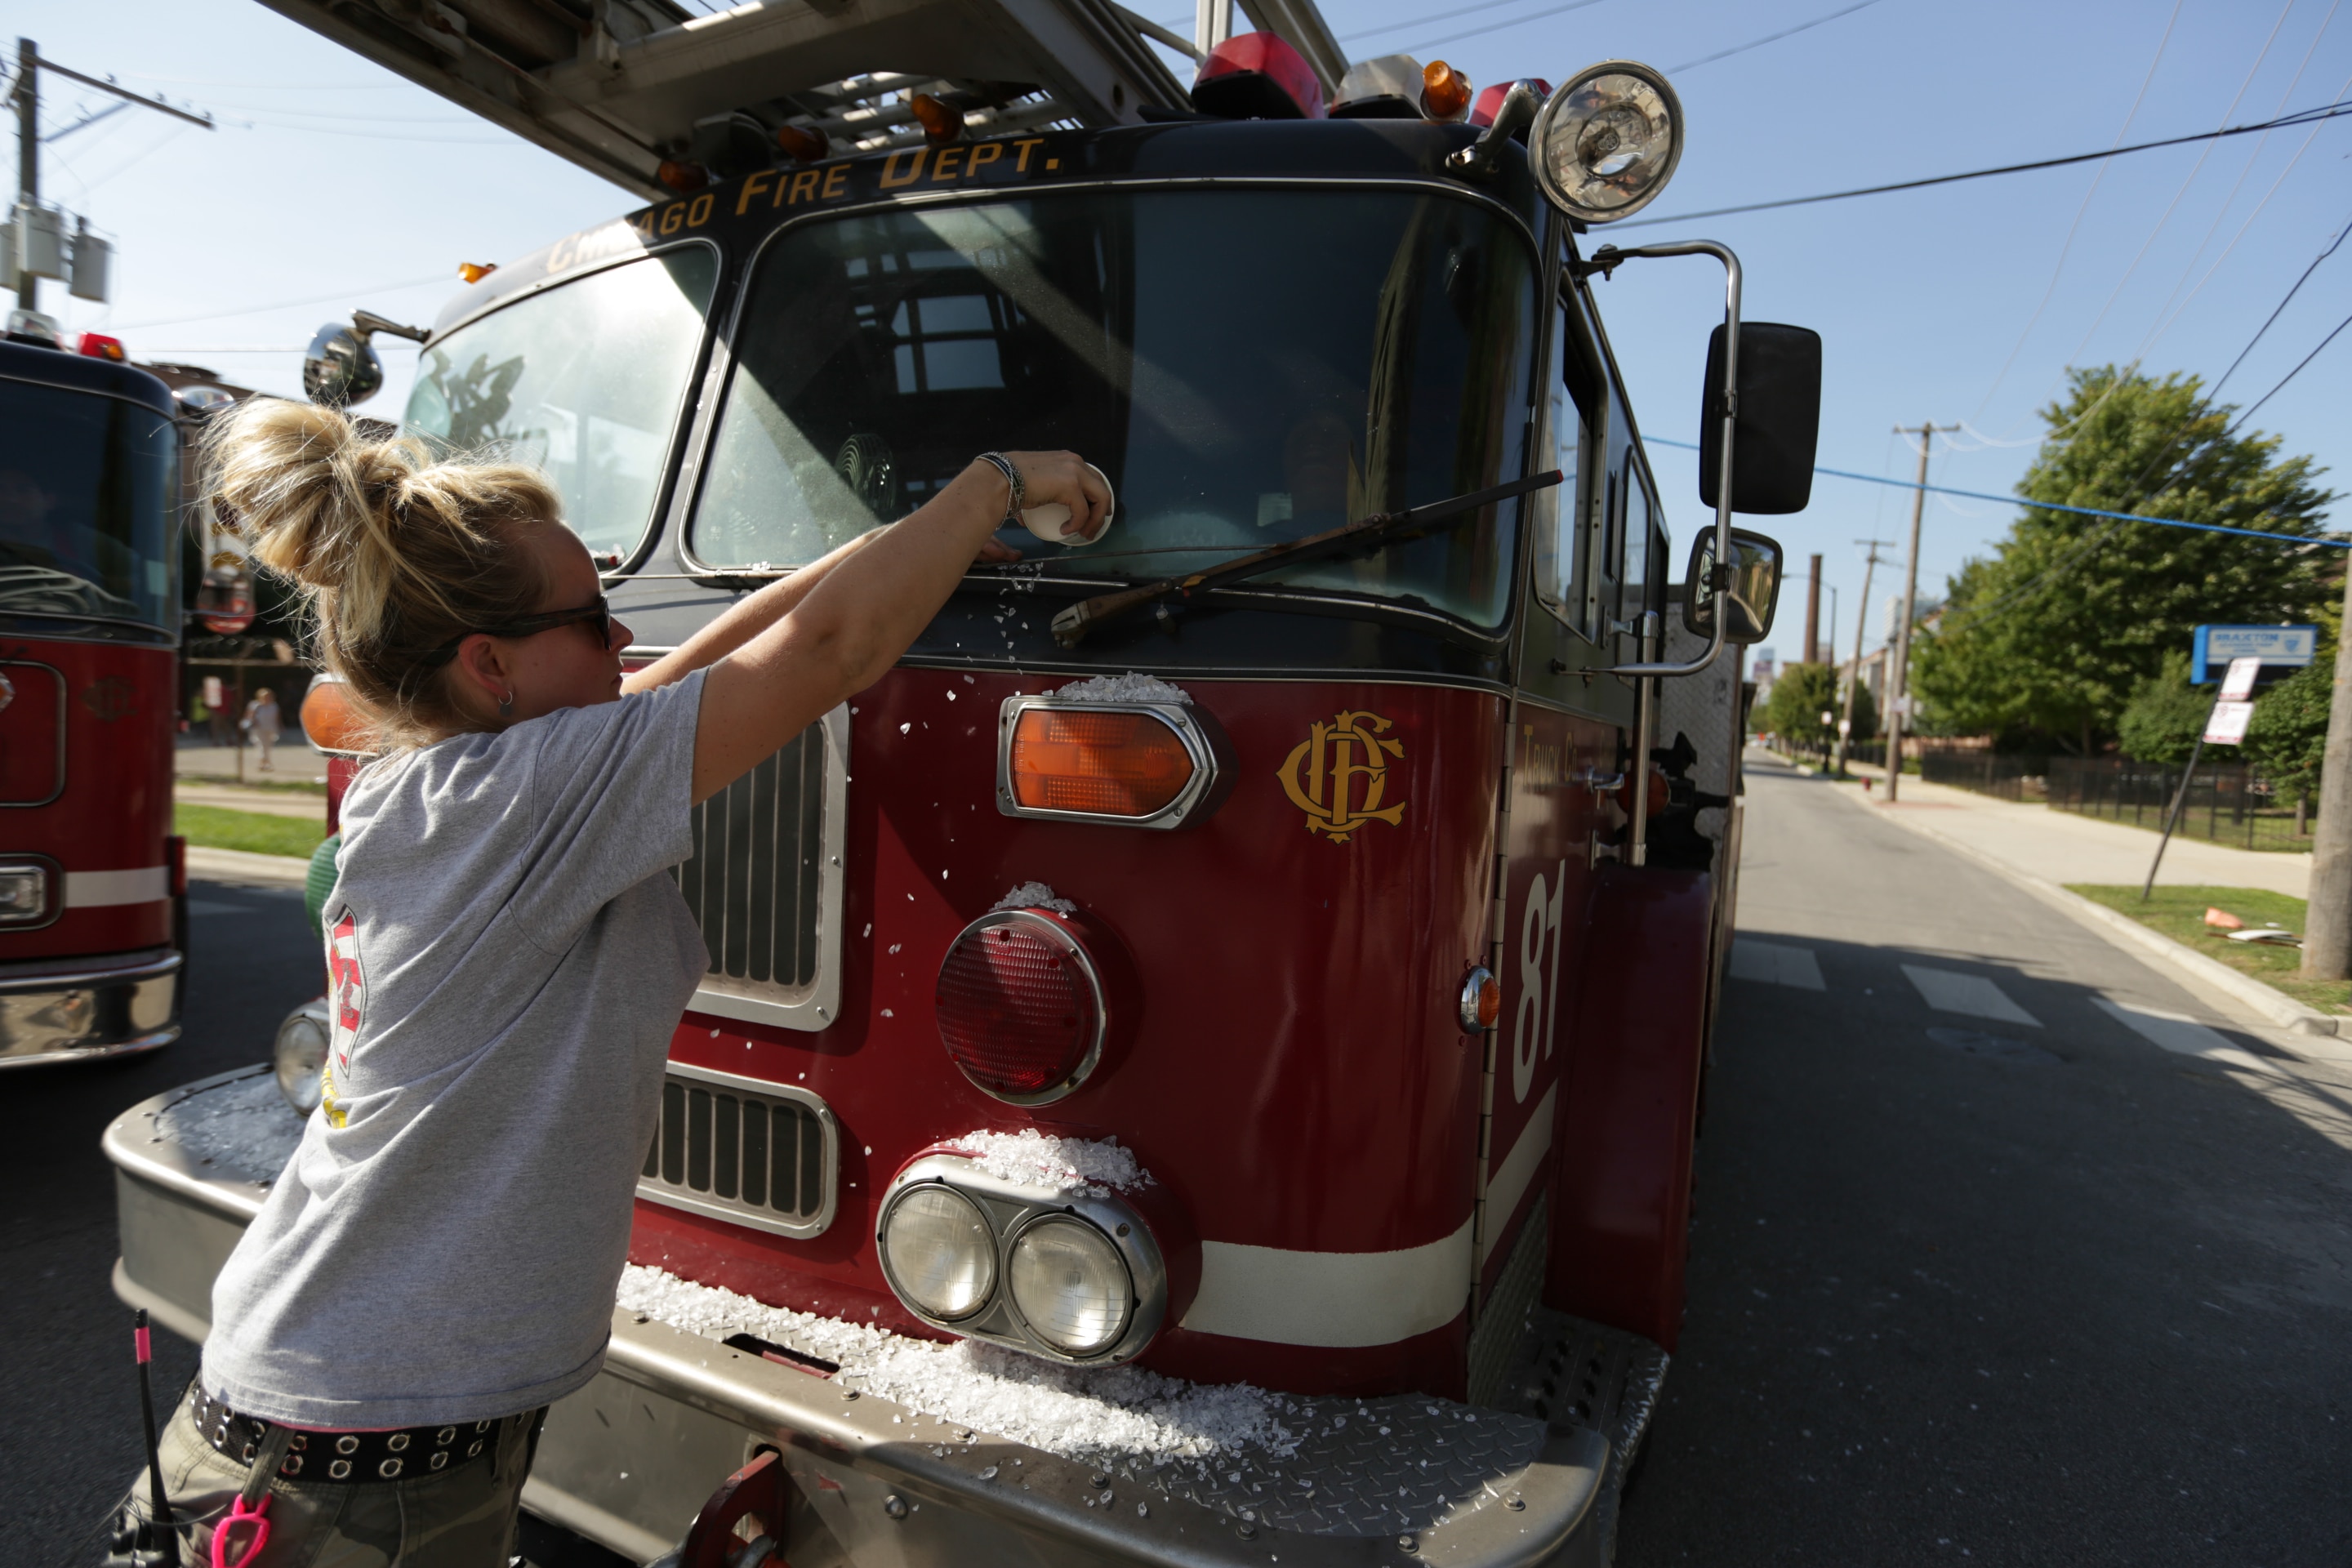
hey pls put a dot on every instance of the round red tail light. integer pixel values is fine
(1020, 1006)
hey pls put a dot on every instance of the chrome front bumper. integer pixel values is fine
(627, 1461)
(63, 1011)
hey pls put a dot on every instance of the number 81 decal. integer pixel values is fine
(1531, 1026)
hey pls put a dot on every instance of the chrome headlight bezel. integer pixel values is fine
(51, 886)
(1010, 1209)
(1563, 110)
(297, 1055)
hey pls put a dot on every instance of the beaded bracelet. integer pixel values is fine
(1015, 492)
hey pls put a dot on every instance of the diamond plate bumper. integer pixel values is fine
(627, 1460)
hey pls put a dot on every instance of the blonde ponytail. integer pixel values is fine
(395, 552)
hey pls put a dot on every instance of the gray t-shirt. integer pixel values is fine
(507, 964)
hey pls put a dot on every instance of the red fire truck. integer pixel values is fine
(91, 882)
(1200, 1063)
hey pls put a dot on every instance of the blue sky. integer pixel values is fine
(333, 183)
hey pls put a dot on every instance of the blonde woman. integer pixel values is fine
(437, 1262)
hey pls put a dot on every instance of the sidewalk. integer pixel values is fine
(2060, 847)
(292, 759)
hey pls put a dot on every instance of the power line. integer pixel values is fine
(287, 304)
(2289, 375)
(2301, 117)
(1499, 26)
(2215, 389)
(1769, 39)
(2056, 506)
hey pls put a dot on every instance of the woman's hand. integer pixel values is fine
(1064, 477)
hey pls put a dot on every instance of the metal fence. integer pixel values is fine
(2008, 775)
(2227, 803)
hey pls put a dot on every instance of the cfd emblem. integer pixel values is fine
(110, 697)
(1339, 772)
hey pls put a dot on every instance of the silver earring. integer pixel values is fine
(506, 705)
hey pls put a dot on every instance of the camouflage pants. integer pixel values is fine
(462, 1519)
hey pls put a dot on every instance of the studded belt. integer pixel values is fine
(406, 1452)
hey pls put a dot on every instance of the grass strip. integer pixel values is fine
(255, 832)
(2179, 913)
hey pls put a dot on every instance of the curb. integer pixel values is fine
(242, 865)
(2274, 1009)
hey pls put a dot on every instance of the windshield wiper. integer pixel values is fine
(1364, 536)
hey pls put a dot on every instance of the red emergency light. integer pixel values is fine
(98, 345)
(1256, 76)
(1020, 1007)
(1490, 98)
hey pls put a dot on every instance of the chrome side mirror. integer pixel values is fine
(341, 368)
(1752, 586)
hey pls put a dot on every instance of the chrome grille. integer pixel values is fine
(751, 881)
(758, 1154)
(764, 882)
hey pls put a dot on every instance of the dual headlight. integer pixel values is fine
(1070, 1276)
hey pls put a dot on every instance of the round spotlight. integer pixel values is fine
(1070, 1286)
(1608, 141)
(938, 1251)
(300, 1056)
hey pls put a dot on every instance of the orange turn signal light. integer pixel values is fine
(943, 123)
(475, 271)
(1444, 91)
(334, 720)
(1482, 1001)
(1107, 763)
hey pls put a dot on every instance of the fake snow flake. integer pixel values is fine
(245, 1126)
(1129, 688)
(1063, 1164)
(904, 728)
(1033, 895)
(1101, 1416)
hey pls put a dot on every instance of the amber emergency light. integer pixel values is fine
(943, 123)
(1444, 91)
(475, 271)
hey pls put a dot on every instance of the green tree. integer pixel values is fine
(2072, 615)
(2289, 732)
(2164, 716)
(1801, 693)
(1865, 711)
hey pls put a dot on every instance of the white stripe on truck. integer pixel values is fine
(1331, 1299)
(98, 890)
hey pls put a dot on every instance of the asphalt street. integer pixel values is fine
(1999, 1256)
(2008, 1249)
(68, 1388)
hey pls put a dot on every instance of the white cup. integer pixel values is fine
(1047, 522)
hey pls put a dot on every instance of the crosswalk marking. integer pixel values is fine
(2180, 1034)
(1949, 991)
(1776, 963)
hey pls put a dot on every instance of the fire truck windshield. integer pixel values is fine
(1249, 367)
(584, 381)
(87, 487)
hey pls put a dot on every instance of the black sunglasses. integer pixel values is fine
(596, 610)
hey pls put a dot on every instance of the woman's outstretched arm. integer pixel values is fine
(841, 630)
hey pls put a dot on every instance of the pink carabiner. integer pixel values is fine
(257, 1516)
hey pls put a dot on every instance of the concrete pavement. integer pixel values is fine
(2061, 846)
(2008, 1249)
(268, 802)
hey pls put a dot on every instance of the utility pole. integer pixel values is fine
(28, 95)
(1861, 622)
(28, 155)
(1813, 614)
(2327, 919)
(1898, 679)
